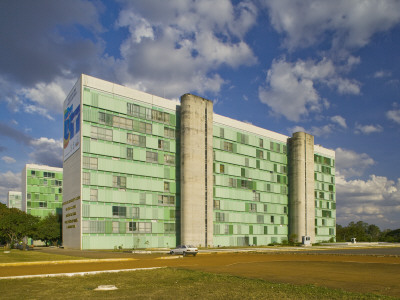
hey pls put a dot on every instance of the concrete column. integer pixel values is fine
(196, 171)
(301, 186)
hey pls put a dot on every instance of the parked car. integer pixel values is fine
(185, 250)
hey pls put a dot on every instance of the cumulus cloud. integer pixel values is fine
(350, 163)
(339, 120)
(47, 152)
(314, 130)
(367, 129)
(8, 159)
(394, 115)
(382, 74)
(290, 88)
(9, 181)
(346, 24)
(176, 46)
(375, 201)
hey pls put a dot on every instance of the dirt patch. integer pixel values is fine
(358, 273)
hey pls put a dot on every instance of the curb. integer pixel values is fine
(78, 273)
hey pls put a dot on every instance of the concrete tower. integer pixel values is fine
(196, 171)
(301, 186)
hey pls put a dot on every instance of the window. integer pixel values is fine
(166, 200)
(260, 219)
(169, 227)
(169, 159)
(129, 153)
(163, 145)
(285, 209)
(119, 211)
(49, 175)
(101, 133)
(331, 231)
(217, 204)
(282, 220)
(246, 161)
(86, 178)
(219, 217)
(90, 163)
(222, 169)
(166, 186)
(119, 182)
(133, 110)
(228, 146)
(42, 204)
(151, 157)
(93, 194)
(243, 172)
(256, 196)
(272, 219)
(260, 154)
(169, 132)
(265, 207)
(33, 173)
(323, 222)
(28, 196)
(253, 207)
(261, 144)
(232, 182)
(123, 122)
(222, 133)
(136, 140)
(115, 227)
(265, 229)
(257, 164)
(106, 119)
(57, 182)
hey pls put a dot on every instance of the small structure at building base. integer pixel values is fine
(306, 240)
(353, 240)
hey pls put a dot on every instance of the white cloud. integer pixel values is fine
(47, 152)
(9, 181)
(394, 115)
(367, 129)
(350, 163)
(348, 24)
(382, 73)
(177, 46)
(339, 120)
(8, 159)
(290, 87)
(375, 201)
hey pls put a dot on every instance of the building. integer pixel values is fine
(143, 171)
(42, 190)
(14, 200)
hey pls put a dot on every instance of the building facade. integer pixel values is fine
(143, 171)
(42, 190)
(14, 199)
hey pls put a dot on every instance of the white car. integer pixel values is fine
(185, 250)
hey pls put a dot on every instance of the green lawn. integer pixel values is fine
(24, 256)
(166, 283)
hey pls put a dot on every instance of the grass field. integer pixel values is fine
(167, 283)
(29, 256)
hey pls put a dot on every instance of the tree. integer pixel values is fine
(16, 224)
(49, 229)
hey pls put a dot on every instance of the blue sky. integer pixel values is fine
(330, 68)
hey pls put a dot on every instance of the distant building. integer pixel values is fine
(14, 199)
(143, 171)
(42, 190)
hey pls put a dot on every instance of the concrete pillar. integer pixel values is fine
(196, 171)
(301, 186)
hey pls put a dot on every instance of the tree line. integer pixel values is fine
(364, 232)
(17, 225)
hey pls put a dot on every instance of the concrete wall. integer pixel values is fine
(301, 186)
(72, 194)
(196, 171)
